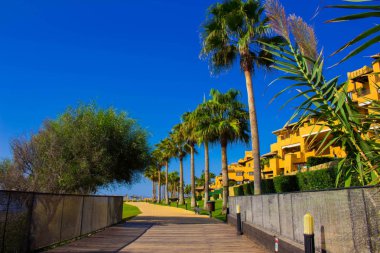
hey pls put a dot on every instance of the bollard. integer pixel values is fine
(275, 244)
(308, 223)
(238, 220)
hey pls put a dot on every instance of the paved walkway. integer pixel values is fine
(165, 229)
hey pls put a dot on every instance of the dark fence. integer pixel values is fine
(30, 221)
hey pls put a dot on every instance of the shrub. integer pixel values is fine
(246, 189)
(285, 184)
(199, 197)
(316, 180)
(238, 191)
(267, 186)
(313, 160)
(215, 196)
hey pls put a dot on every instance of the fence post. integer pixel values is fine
(60, 229)
(31, 222)
(81, 217)
(5, 223)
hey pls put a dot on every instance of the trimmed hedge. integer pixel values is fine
(215, 196)
(285, 184)
(305, 181)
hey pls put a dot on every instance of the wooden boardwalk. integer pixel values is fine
(165, 229)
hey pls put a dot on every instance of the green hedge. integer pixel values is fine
(305, 181)
(215, 196)
(313, 160)
(286, 184)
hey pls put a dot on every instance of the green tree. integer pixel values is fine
(152, 174)
(181, 150)
(229, 121)
(167, 151)
(84, 149)
(233, 29)
(202, 118)
(173, 183)
(200, 181)
(189, 132)
(326, 101)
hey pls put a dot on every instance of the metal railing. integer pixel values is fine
(30, 221)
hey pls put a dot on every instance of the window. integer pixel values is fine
(250, 173)
(239, 173)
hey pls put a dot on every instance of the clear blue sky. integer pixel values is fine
(136, 56)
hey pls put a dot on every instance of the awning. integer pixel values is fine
(291, 146)
(269, 154)
(317, 132)
(365, 103)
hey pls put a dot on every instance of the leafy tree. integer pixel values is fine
(229, 122)
(326, 101)
(201, 180)
(84, 149)
(233, 30)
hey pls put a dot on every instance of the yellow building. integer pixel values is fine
(289, 154)
(294, 145)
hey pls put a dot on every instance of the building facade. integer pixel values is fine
(288, 155)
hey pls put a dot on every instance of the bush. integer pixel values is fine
(246, 189)
(215, 196)
(313, 160)
(316, 180)
(285, 184)
(238, 191)
(267, 186)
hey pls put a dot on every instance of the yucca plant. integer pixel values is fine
(365, 39)
(326, 101)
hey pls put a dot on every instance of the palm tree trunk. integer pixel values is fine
(181, 196)
(153, 191)
(207, 180)
(254, 132)
(192, 172)
(167, 184)
(159, 186)
(224, 174)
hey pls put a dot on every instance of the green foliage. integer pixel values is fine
(238, 191)
(316, 180)
(84, 149)
(326, 101)
(315, 160)
(215, 196)
(199, 197)
(267, 186)
(286, 184)
(246, 189)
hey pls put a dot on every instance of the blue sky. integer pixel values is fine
(136, 56)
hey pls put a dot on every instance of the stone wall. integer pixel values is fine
(346, 220)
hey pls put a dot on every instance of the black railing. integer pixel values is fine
(30, 221)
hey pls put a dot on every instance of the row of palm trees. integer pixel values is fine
(222, 119)
(158, 181)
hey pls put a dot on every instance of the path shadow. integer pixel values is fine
(110, 240)
(164, 220)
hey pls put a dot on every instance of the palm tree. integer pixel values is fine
(201, 116)
(189, 133)
(156, 162)
(181, 150)
(234, 29)
(173, 178)
(151, 173)
(166, 147)
(228, 121)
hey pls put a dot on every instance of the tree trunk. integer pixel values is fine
(192, 175)
(159, 186)
(153, 191)
(207, 180)
(181, 196)
(167, 183)
(223, 144)
(254, 133)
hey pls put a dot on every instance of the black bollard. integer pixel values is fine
(186, 205)
(309, 233)
(238, 221)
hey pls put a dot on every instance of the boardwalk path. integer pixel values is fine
(165, 229)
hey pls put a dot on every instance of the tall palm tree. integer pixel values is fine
(173, 182)
(151, 173)
(201, 116)
(229, 122)
(181, 150)
(189, 133)
(156, 162)
(166, 147)
(234, 29)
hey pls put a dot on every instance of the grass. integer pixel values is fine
(130, 211)
(218, 208)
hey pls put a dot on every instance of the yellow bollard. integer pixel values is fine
(308, 228)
